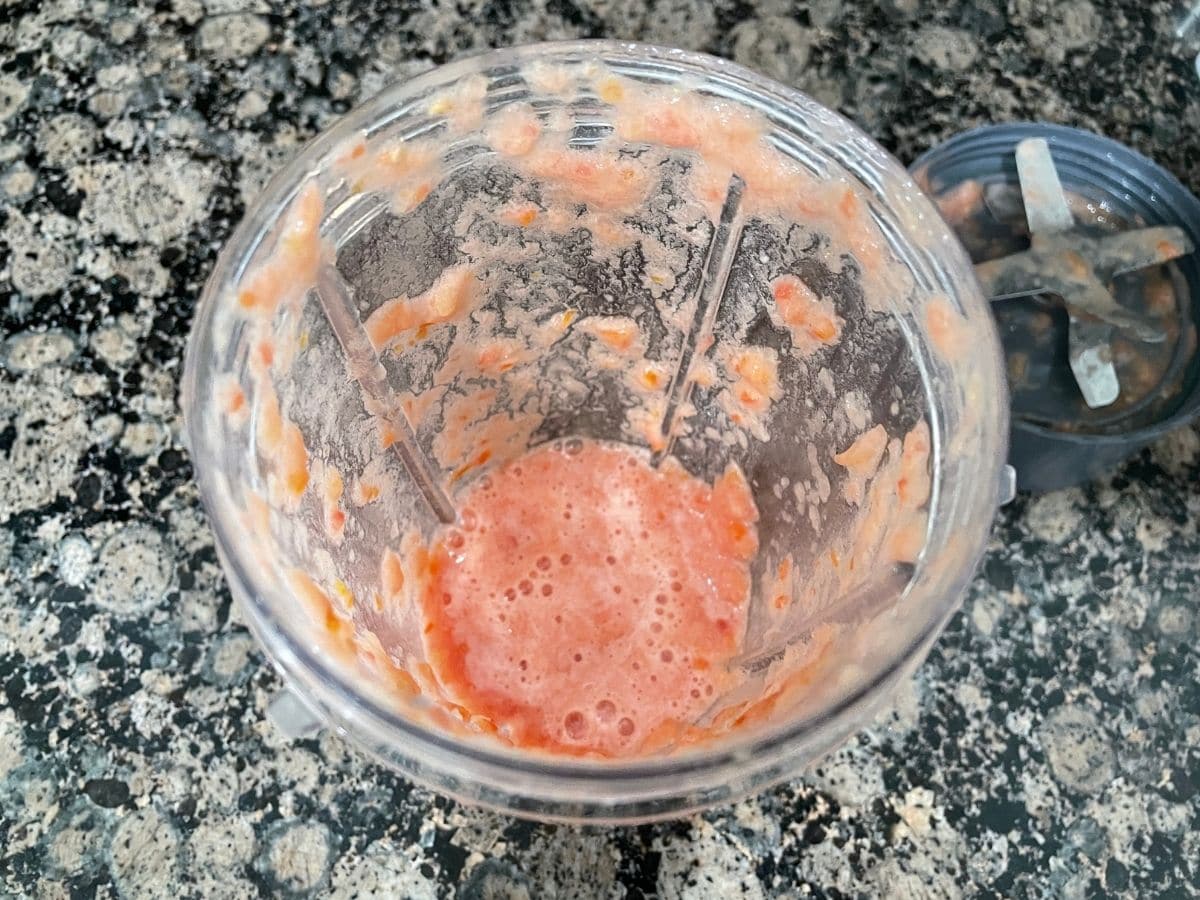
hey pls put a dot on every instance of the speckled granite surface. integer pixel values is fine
(1048, 747)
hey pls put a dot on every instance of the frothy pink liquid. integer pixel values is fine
(588, 603)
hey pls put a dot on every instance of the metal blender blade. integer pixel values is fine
(1078, 268)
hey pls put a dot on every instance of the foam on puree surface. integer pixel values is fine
(587, 602)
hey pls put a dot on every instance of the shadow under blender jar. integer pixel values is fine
(603, 243)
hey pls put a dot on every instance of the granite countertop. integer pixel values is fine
(1049, 747)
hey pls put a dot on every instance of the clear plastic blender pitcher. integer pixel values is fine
(613, 242)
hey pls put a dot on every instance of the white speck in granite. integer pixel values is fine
(495, 879)
(105, 105)
(251, 105)
(827, 91)
(215, 7)
(1123, 815)
(40, 798)
(157, 398)
(777, 46)
(218, 850)
(183, 125)
(308, 64)
(18, 183)
(1175, 622)
(120, 75)
(31, 350)
(390, 63)
(1153, 532)
(850, 775)
(385, 869)
(1056, 28)
(930, 866)
(1078, 750)
(6, 547)
(12, 743)
(143, 438)
(114, 345)
(13, 93)
(144, 204)
(945, 48)
(1178, 452)
(141, 268)
(122, 31)
(66, 139)
(74, 45)
(53, 889)
(51, 435)
(150, 713)
(989, 865)
(76, 842)
(475, 830)
(92, 636)
(298, 769)
(41, 259)
(144, 855)
(296, 855)
(986, 611)
(11, 151)
(121, 132)
(1168, 817)
(970, 698)
(205, 701)
(229, 659)
(88, 384)
(705, 864)
(829, 866)
(233, 35)
(168, 784)
(84, 680)
(824, 13)
(678, 23)
(900, 714)
(260, 159)
(197, 610)
(1054, 517)
(756, 823)
(340, 84)
(133, 571)
(219, 783)
(916, 811)
(106, 429)
(569, 864)
(36, 631)
(894, 880)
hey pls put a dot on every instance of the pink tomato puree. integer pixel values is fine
(586, 602)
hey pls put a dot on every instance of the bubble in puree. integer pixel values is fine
(586, 602)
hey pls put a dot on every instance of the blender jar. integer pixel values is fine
(620, 243)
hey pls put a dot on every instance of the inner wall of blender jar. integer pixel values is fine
(550, 297)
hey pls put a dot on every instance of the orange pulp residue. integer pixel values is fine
(514, 130)
(860, 460)
(447, 296)
(601, 178)
(947, 329)
(292, 266)
(811, 320)
(588, 603)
